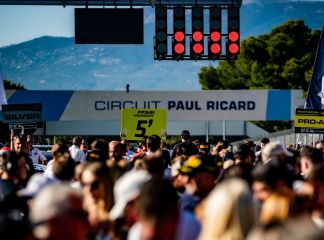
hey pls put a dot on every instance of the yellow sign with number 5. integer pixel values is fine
(137, 123)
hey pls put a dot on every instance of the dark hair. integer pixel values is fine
(313, 155)
(101, 146)
(158, 200)
(63, 167)
(183, 149)
(9, 162)
(153, 142)
(249, 142)
(241, 170)
(155, 163)
(269, 173)
(224, 143)
(185, 134)
(265, 140)
(243, 152)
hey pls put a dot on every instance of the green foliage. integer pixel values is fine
(274, 126)
(8, 85)
(282, 59)
(63, 139)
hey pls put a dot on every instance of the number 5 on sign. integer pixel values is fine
(137, 123)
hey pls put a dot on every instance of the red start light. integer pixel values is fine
(215, 36)
(215, 48)
(179, 48)
(233, 36)
(197, 36)
(233, 48)
(198, 48)
(179, 36)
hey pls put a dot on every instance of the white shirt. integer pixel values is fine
(36, 155)
(77, 154)
(49, 169)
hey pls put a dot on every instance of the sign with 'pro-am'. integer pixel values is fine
(309, 121)
(137, 123)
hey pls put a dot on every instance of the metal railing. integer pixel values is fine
(288, 137)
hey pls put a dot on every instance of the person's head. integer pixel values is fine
(153, 143)
(264, 142)
(223, 144)
(117, 150)
(185, 135)
(57, 213)
(155, 163)
(183, 150)
(84, 145)
(275, 150)
(13, 166)
(310, 157)
(158, 210)
(126, 191)
(59, 149)
(98, 184)
(241, 170)
(249, 143)
(320, 145)
(244, 154)
(202, 172)
(30, 141)
(277, 208)
(142, 144)
(76, 141)
(102, 147)
(112, 146)
(228, 211)
(20, 144)
(63, 167)
(264, 181)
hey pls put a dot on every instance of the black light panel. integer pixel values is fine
(109, 26)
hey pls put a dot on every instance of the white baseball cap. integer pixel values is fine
(127, 188)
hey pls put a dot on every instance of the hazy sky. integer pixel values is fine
(23, 23)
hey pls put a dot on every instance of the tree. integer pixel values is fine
(279, 60)
(8, 85)
(282, 59)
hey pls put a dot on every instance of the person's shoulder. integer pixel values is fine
(35, 149)
(177, 145)
(135, 231)
(189, 227)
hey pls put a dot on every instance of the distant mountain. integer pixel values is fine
(56, 63)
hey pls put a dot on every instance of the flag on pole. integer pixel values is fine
(315, 96)
(3, 99)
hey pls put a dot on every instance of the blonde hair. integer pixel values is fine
(277, 208)
(228, 213)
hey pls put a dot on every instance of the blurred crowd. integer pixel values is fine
(115, 191)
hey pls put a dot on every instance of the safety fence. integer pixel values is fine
(288, 137)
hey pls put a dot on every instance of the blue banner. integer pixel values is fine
(315, 97)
